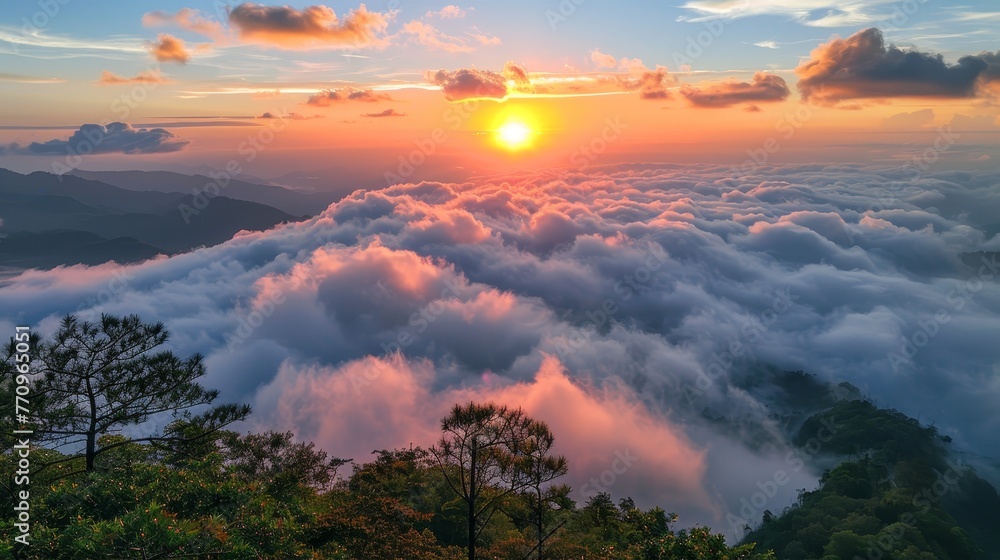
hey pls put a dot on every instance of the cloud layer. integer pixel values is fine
(626, 306)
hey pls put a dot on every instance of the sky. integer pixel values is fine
(695, 81)
(611, 214)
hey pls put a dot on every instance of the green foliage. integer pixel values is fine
(95, 379)
(863, 427)
(899, 497)
(197, 491)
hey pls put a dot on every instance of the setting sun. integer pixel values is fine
(514, 135)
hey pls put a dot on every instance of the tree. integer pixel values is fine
(539, 468)
(276, 459)
(106, 377)
(482, 454)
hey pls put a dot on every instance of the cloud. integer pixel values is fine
(292, 116)
(429, 36)
(144, 77)
(386, 113)
(607, 61)
(862, 67)
(763, 88)
(651, 83)
(23, 79)
(603, 60)
(992, 59)
(974, 123)
(469, 83)
(313, 26)
(185, 18)
(603, 302)
(328, 97)
(766, 45)
(116, 137)
(168, 48)
(448, 12)
(391, 399)
(813, 13)
(910, 121)
(483, 38)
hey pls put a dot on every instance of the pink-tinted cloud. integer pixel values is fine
(610, 437)
(328, 97)
(185, 18)
(386, 113)
(110, 78)
(606, 62)
(168, 48)
(293, 116)
(469, 83)
(484, 39)
(450, 11)
(429, 36)
(652, 84)
(603, 60)
(764, 88)
(313, 26)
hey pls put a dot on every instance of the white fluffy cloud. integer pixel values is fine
(608, 303)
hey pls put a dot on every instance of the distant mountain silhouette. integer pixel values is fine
(48, 221)
(69, 247)
(286, 200)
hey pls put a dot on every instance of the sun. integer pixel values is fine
(514, 135)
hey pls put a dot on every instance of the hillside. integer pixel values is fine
(286, 200)
(48, 220)
(899, 492)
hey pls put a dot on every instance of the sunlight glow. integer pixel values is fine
(514, 135)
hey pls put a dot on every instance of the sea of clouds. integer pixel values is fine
(623, 305)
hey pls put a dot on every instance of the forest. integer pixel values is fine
(131, 457)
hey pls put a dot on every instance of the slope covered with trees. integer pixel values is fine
(898, 494)
(133, 458)
(106, 484)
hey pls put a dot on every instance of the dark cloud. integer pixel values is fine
(992, 59)
(116, 137)
(386, 113)
(861, 67)
(287, 27)
(168, 48)
(763, 88)
(328, 97)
